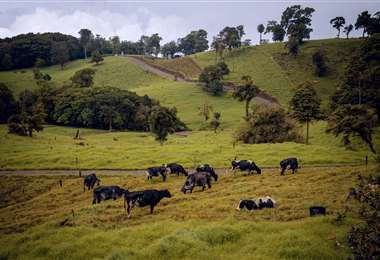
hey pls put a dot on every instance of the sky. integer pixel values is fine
(129, 19)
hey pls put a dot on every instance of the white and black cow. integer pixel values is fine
(107, 193)
(156, 171)
(290, 163)
(200, 179)
(245, 165)
(144, 198)
(209, 169)
(259, 203)
(176, 169)
(90, 181)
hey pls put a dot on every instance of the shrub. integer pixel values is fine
(267, 125)
(319, 62)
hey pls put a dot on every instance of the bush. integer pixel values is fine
(267, 125)
(319, 63)
(212, 76)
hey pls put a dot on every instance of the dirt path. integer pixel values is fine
(126, 171)
(260, 98)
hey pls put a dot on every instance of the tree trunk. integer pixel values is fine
(338, 33)
(110, 124)
(62, 66)
(307, 132)
(260, 38)
(85, 52)
(247, 109)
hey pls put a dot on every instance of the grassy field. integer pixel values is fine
(276, 72)
(202, 225)
(54, 148)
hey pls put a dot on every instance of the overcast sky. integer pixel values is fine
(171, 19)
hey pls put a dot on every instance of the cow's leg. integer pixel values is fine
(151, 208)
(282, 171)
(191, 190)
(203, 187)
(129, 208)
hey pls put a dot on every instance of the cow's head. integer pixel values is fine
(164, 169)
(240, 205)
(258, 170)
(166, 193)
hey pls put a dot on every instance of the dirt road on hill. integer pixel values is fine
(261, 98)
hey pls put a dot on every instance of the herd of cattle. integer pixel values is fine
(202, 177)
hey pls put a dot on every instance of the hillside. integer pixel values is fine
(202, 225)
(272, 69)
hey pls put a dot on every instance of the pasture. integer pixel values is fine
(37, 221)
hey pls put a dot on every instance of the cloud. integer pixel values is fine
(105, 23)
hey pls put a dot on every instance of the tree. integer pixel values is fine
(169, 49)
(231, 36)
(195, 41)
(204, 110)
(353, 120)
(278, 33)
(348, 29)
(27, 122)
(267, 125)
(363, 21)
(296, 20)
(215, 122)
(96, 57)
(219, 46)
(85, 38)
(153, 44)
(305, 106)
(212, 76)
(60, 53)
(260, 29)
(318, 59)
(246, 91)
(8, 104)
(293, 46)
(161, 123)
(115, 41)
(338, 22)
(83, 78)
(374, 24)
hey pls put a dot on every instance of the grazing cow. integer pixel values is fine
(144, 198)
(260, 203)
(290, 163)
(245, 165)
(90, 181)
(197, 179)
(176, 168)
(317, 211)
(156, 171)
(209, 169)
(107, 193)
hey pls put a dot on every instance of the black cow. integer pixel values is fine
(90, 181)
(245, 165)
(197, 179)
(209, 169)
(260, 203)
(290, 163)
(107, 193)
(156, 171)
(144, 198)
(176, 168)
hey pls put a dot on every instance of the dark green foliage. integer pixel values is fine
(364, 239)
(305, 106)
(96, 57)
(39, 63)
(353, 120)
(195, 41)
(293, 46)
(28, 121)
(162, 122)
(215, 122)
(267, 125)
(169, 49)
(363, 21)
(338, 22)
(8, 104)
(83, 78)
(151, 44)
(278, 33)
(135, 48)
(246, 91)
(319, 62)
(297, 21)
(115, 43)
(212, 75)
(362, 77)
(231, 36)
(22, 51)
(59, 53)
